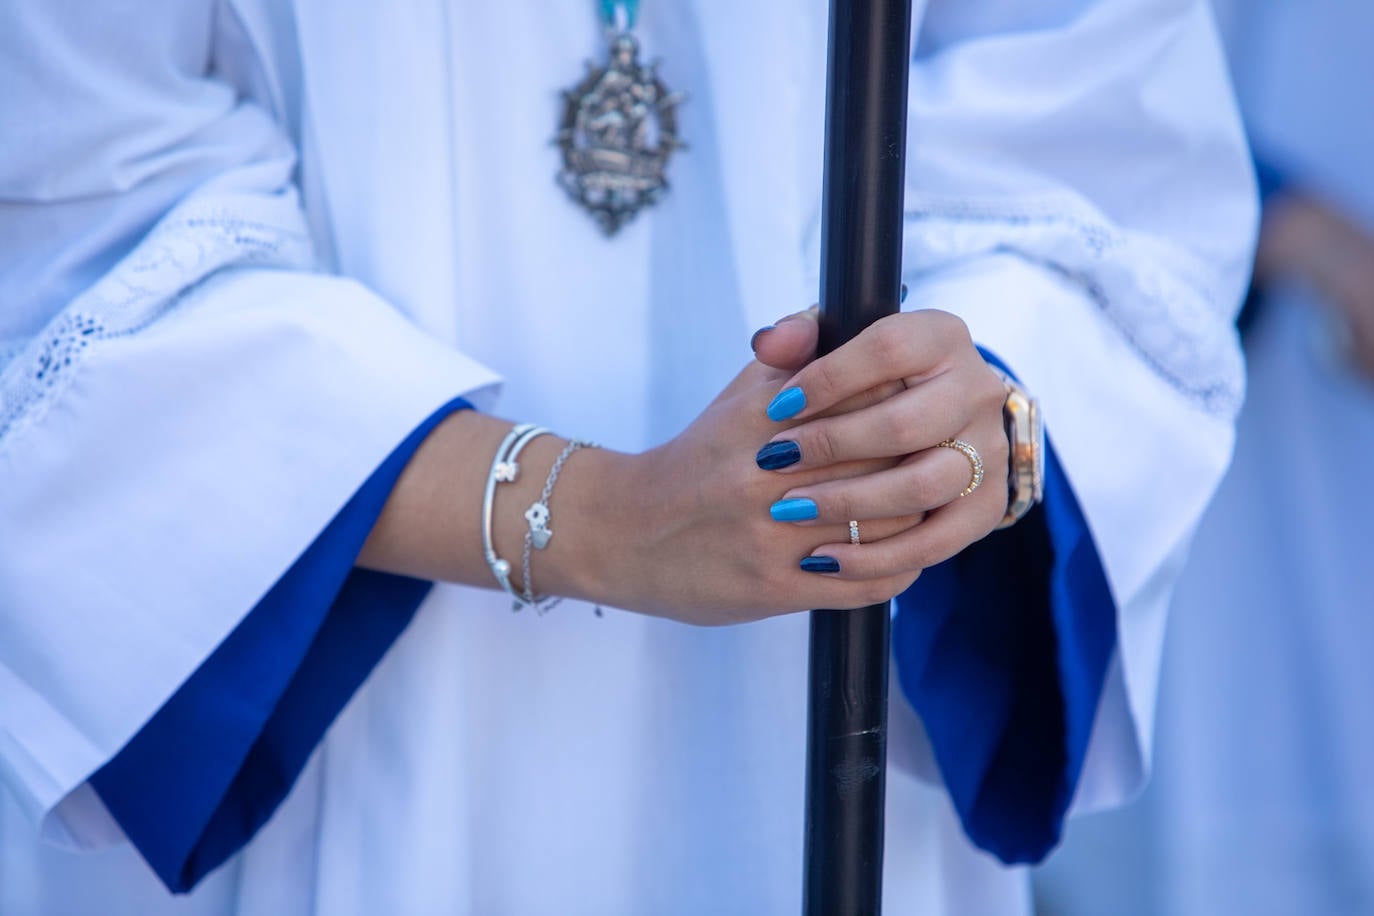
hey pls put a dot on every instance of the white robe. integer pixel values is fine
(1077, 191)
(1262, 803)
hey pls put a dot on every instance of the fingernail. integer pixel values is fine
(778, 455)
(903, 298)
(797, 509)
(820, 564)
(787, 404)
(754, 341)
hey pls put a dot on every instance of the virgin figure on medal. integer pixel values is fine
(618, 130)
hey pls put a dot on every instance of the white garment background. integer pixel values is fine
(500, 763)
(1261, 802)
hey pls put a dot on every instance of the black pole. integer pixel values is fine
(861, 254)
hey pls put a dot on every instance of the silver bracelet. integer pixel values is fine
(537, 518)
(504, 469)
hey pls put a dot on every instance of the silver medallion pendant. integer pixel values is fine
(618, 130)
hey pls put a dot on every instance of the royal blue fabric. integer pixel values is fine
(1003, 651)
(206, 772)
(1271, 179)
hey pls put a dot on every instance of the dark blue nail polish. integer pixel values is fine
(754, 341)
(820, 564)
(903, 296)
(778, 455)
(797, 509)
(787, 404)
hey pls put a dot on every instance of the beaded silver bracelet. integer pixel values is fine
(537, 519)
(504, 469)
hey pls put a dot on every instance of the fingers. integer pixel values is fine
(911, 346)
(864, 399)
(886, 400)
(920, 483)
(910, 516)
(875, 529)
(941, 535)
(906, 422)
(790, 344)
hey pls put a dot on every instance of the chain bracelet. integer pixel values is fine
(537, 519)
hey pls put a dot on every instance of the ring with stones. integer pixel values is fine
(974, 459)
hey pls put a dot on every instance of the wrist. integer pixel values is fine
(589, 518)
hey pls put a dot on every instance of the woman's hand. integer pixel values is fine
(943, 391)
(714, 527)
(685, 530)
(681, 531)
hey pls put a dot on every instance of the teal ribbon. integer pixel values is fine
(610, 7)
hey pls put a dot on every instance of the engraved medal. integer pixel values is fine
(618, 130)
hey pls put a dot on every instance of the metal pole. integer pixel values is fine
(861, 250)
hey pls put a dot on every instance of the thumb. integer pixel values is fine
(789, 344)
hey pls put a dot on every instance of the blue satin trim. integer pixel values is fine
(1003, 651)
(207, 771)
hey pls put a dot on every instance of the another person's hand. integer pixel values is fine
(1304, 236)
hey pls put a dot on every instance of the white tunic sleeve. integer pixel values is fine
(1079, 191)
(183, 408)
(167, 478)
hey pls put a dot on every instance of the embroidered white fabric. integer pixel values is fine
(1165, 302)
(193, 241)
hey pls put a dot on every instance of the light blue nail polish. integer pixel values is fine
(787, 404)
(797, 509)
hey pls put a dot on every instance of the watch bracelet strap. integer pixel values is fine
(1024, 484)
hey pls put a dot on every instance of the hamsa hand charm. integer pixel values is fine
(538, 517)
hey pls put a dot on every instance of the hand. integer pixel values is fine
(1304, 236)
(681, 531)
(926, 383)
(684, 530)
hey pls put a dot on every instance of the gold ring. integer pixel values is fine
(853, 532)
(974, 459)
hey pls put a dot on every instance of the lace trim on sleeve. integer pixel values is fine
(1175, 311)
(187, 246)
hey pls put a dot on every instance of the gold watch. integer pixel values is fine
(1026, 436)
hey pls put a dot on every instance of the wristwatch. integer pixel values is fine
(1026, 436)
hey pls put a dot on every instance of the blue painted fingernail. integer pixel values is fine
(797, 509)
(787, 404)
(754, 341)
(778, 455)
(820, 564)
(903, 298)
